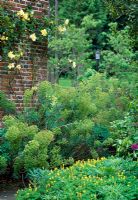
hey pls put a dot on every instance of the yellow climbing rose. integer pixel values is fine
(66, 22)
(26, 16)
(33, 37)
(20, 13)
(74, 65)
(11, 55)
(61, 29)
(3, 38)
(18, 67)
(11, 65)
(44, 32)
(23, 15)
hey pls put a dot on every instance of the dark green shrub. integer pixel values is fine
(3, 165)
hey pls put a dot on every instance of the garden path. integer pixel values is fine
(8, 190)
(7, 194)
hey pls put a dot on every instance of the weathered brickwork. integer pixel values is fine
(39, 6)
(33, 62)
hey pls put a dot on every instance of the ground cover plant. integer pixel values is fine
(112, 178)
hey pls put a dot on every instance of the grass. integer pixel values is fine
(65, 82)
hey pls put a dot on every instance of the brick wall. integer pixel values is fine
(33, 65)
(39, 6)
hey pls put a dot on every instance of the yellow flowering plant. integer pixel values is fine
(85, 180)
(18, 28)
(44, 32)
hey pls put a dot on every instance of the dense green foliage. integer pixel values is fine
(6, 105)
(97, 24)
(70, 126)
(69, 51)
(76, 10)
(64, 124)
(95, 179)
(125, 12)
(120, 59)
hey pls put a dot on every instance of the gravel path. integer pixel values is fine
(8, 190)
(7, 194)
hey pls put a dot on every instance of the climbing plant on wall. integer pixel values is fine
(17, 30)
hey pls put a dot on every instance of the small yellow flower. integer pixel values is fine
(18, 67)
(11, 65)
(26, 16)
(11, 55)
(44, 32)
(66, 22)
(74, 65)
(34, 88)
(61, 29)
(3, 38)
(23, 15)
(20, 13)
(33, 37)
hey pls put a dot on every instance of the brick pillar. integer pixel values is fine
(33, 71)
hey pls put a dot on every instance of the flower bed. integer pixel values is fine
(112, 178)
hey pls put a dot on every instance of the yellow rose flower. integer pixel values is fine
(11, 55)
(33, 37)
(66, 22)
(18, 67)
(26, 16)
(20, 13)
(61, 29)
(23, 15)
(44, 32)
(3, 38)
(11, 65)
(74, 65)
